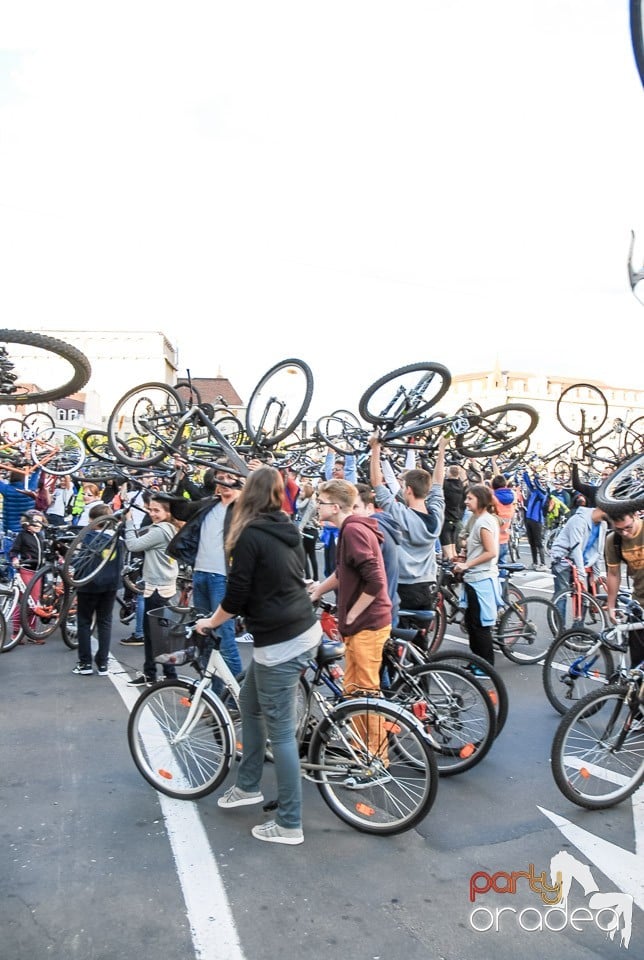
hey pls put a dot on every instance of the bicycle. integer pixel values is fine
(64, 368)
(624, 489)
(182, 740)
(580, 660)
(579, 605)
(54, 450)
(48, 599)
(598, 748)
(450, 702)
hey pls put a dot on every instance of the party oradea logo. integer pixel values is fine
(552, 908)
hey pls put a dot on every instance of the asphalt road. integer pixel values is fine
(96, 865)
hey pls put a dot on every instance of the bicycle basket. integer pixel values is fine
(168, 634)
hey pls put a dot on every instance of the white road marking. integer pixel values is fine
(619, 865)
(211, 921)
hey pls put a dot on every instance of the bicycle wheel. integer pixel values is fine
(454, 708)
(561, 472)
(633, 440)
(582, 409)
(58, 451)
(574, 665)
(192, 766)
(150, 412)
(9, 600)
(43, 603)
(188, 392)
(3, 632)
(496, 430)
(382, 783)
(573, 612)
(12, 429)
(57, 367)
(38, 421)
(91, 550)
(524, 633)
(404, 394)
(97, 444)
(279, 402)
(343, 433)
(596, 763)
(624, 489)
(69, 624)
(486, 675)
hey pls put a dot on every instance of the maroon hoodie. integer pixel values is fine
(361, 569)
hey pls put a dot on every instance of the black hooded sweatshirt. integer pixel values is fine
(266, 580)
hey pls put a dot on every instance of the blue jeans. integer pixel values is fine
(208, 590)
(101, 604)
(562, 573)
(139, 615)
(267, 701)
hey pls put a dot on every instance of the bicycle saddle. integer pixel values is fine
(328, 652)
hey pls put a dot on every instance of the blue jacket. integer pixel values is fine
(537, 500)
(15, 502)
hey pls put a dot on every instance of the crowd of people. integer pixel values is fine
(264, 550)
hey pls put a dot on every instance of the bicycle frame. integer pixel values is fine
(195, 414)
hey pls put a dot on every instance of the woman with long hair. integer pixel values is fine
(266, 587)
(159, 575)
(482, 595)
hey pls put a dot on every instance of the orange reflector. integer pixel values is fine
(238, 746)
(584, 772)
(391, 727)
(165, 774)
(493, 697)
(185, 701)
(466, 751)
(365, 810)
(420, 710)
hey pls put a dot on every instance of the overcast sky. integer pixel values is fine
(359, 184)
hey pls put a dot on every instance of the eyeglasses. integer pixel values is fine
(327, 503)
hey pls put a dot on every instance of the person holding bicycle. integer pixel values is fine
(580, 542)
(482, 596)
(266, 587)
(625, 544)
(26, 555)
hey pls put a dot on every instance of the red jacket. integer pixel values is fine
(360, 569)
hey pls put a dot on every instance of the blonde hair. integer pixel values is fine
(340, 491)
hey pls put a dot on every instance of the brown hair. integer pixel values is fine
(263, 492)
(484, 497)
(419, 482)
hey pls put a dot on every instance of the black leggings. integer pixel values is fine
(534, 533)
(310, 544)
(480, 637)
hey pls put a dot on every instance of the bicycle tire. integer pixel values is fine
(523, 632)
(593, 614)
(81, 368)
(153, 410)
(453, 707)
(570, 671)
(68, 460)
(38, 421)
(487, 675)
(91, 550)
(268, 416)
(571, 412)
(3, 632)
(12, 429)
(392, 408)
(496, 430)
(561, 472)
(338, 747)
(50, 595)
(624, 489)
(193, 767)
(9, 600)
(69, 623)
(633, 439)
(189, 394)
(585, 766)
(342, 433)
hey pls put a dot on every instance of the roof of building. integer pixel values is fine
(211, 389)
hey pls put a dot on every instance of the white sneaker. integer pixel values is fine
(234, 797)
(272, 832)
